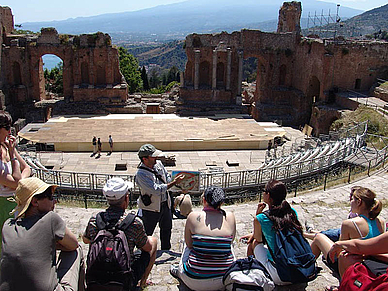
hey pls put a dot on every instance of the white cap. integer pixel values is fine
(114, 189)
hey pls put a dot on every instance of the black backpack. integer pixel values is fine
(294, 259)
(109, 259)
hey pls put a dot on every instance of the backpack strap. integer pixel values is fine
(100, 221)
(266, 213)
(128, 220)
(157, 175)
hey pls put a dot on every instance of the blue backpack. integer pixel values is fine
(293, 257)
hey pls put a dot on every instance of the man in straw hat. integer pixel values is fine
(30, 242)
(116, 193)
(154, 201)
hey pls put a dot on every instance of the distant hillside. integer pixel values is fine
(165, 55)
(366, 23)
(175, 21)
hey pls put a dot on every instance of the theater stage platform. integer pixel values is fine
(167, 132)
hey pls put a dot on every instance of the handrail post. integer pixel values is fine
(350, 171)
(86, 200)
(324, 184)
(369, 169)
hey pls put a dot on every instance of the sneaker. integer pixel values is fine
(174, 269)
(309, 227)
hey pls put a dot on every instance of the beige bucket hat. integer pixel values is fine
(26, 189)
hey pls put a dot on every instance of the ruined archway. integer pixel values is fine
(53, 75)
(220, 75)
(313, 90)
(204, 74)
(87, 59)
(282, 75)
(84, 73)
(17, 77)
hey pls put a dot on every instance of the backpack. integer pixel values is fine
(293, 257)
(247, 274)
(360, 277)
(109, 259)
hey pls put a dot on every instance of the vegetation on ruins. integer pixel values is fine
(377, 124)
(54, 79)
(129, 67)
(381, 34)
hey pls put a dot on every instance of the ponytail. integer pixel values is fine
(375, 209)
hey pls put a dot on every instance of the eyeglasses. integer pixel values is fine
(7, 127)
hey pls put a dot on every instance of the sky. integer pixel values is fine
(47, 10)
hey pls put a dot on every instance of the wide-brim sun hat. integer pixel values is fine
(27, 188)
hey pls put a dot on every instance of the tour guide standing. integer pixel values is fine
(154, 201)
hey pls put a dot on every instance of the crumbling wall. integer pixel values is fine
(90, 67)
(289, 17)
(293, 72)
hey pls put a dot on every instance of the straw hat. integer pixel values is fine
(26, 189)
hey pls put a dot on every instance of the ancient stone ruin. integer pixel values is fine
(293, 71)
(90, 65)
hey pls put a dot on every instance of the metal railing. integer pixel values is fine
(360, 152)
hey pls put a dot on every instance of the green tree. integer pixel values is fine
(129, 67)
(173, 75)
(155, 80)
(54, 79)
(144, 78)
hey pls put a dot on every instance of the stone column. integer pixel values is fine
(228, 67)
(182, 79)
(240, 72)
(196, 69)
(214, 74)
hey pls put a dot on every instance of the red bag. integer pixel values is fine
(359, 278)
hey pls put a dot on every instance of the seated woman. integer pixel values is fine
(283, 216)
(333, 233)
(353, 251)
(208, 235)
(367, 225)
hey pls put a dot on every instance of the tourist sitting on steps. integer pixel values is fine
(333, 233)
(367, 225)
(116, 192)
(30, 242)
(183, 202)
(280, 211)
(202, 266)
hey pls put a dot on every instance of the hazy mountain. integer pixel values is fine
(175, 21)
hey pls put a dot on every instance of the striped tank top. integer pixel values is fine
(210, 256)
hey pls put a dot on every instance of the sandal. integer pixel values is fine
(331, 288)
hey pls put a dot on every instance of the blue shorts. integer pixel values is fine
(333, 234)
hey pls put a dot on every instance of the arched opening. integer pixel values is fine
(250, 69)
(84, 73)
(17, 77)
(100, 73)
(53, 76)
(204, 74)
(189, 74)
(220, 75)
(313, 90)
(282, 75)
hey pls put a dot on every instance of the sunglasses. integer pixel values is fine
(46, 194)
(7, 127)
